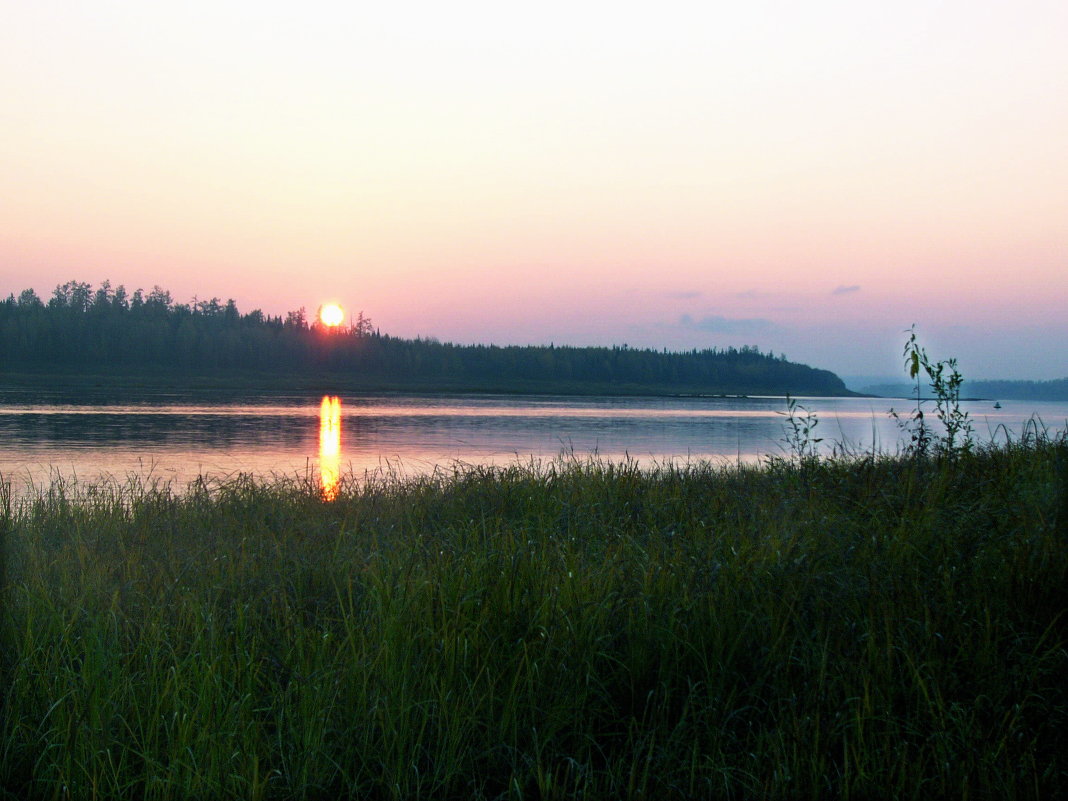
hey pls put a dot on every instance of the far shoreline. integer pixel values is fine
(231, 384)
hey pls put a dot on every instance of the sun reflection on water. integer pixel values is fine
(330, 446)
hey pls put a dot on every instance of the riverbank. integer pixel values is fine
(232, 385)
(878, 628)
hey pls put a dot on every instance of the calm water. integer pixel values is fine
(326, 436)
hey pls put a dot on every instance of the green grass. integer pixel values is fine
(877, 627)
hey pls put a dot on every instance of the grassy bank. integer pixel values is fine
(884, 627)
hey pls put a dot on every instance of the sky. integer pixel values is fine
(810, 178)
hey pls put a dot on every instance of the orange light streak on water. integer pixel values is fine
(330, 446)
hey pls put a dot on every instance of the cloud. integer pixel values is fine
(685, 294)
(846, 290)
(753, 294)
(725, 325)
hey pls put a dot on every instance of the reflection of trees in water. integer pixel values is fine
(399, 432)
(206, 430)
(552, 432)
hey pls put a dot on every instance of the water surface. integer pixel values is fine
(324, 435)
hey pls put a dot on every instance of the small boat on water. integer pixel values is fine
(997, 404)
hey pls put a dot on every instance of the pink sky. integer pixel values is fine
(810, 178)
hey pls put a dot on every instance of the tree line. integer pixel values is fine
(82, 328)
(987, 389)
(1053, 390)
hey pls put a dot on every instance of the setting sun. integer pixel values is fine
(331, 315)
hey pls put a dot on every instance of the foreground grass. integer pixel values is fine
(874, 628)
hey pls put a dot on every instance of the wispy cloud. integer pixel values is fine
(846, 290)
(726, 325)
(685, 294)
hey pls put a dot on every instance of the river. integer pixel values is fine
(323, 436)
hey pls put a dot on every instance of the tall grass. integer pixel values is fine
(876, 627)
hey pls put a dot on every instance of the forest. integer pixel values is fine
(82, 329)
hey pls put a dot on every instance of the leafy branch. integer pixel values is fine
(945, 382)
(800, 428)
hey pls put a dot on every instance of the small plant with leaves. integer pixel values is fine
(800, 429)
(945, 382)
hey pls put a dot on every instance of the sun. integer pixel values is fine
(331, 315)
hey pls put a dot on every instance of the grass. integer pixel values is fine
(875, 627)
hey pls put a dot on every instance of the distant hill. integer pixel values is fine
(1055, 390)
(865, 383)
(107, 330)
